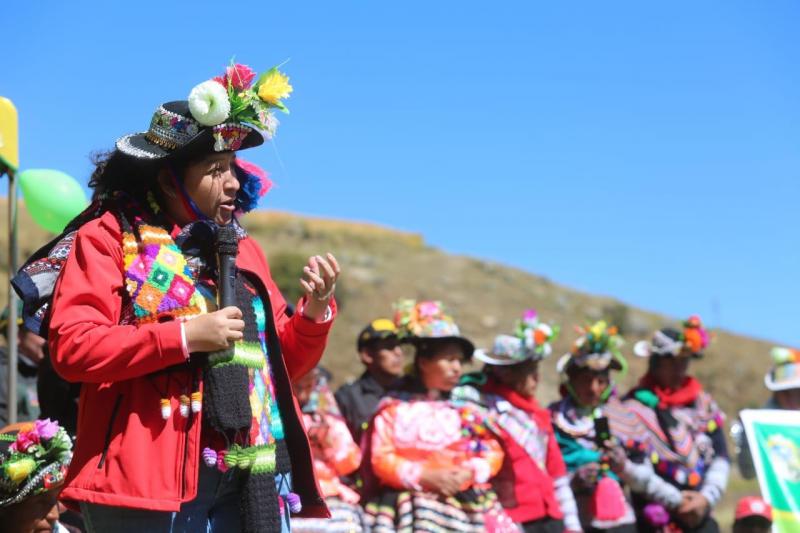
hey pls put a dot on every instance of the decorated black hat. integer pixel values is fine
(691, 341)
(33, 460)
(227, 113)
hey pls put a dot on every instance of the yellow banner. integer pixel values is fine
(9, 135)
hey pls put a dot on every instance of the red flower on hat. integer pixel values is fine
(240, 77)
(25, 439)
(695, 336)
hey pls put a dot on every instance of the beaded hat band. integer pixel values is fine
(173, 131)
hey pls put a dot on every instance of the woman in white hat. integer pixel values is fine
(533, 484)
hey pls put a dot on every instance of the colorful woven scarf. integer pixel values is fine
(166, 280)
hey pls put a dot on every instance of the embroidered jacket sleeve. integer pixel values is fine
(302, 340)
(345, 455)
(642, 479)
(402, 468)
(388, 465)
(561, 482)
(715, 480)
(87, 343)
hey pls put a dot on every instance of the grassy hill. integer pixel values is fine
(381, 265)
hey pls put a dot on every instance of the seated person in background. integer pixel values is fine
(753, 515)
(34, 457)
(783, 380)
(383, 359)
(532, 485)
(429, 460)
(684, 429)
(334, 454)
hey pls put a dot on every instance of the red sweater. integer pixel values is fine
(526, 489)
(126, 455)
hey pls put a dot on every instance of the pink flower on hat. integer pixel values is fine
(240, 77)
(428, 309)
(46, 429)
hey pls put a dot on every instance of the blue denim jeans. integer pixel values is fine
(215, 509)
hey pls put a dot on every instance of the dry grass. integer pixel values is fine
(381, 265)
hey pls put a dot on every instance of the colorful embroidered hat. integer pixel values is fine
(227, 113)
(531, 340)
(33, 460)
(378, 329)
(668, 342)
(597, 348)
(785, 372)
(419, 323)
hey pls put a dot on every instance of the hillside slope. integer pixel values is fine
(381, 265)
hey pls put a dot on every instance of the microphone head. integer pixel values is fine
(227, 242)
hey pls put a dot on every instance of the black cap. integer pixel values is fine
(378, 329)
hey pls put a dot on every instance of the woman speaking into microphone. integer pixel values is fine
(187, 420)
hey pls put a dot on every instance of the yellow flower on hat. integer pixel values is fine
(599, 328)
(274, 87)
(20, 469)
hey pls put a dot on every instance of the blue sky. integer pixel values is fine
(648, 151)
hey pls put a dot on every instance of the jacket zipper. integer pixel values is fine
(189, 424)
(108, 432)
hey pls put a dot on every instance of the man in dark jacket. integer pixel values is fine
(380, 352)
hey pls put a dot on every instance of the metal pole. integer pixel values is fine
(12, 298)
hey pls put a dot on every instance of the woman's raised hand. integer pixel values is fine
(214, 331)
(319, 283)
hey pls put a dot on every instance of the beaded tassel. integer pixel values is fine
(184, 406)
(295, 505)
(166, 408)
(221, 466)
(210, 457)
(197, 401)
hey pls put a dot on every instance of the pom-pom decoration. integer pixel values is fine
(166, 408)
(253, 184)
(184, 407)
(209, 457)
(295, 505)
(197, 402)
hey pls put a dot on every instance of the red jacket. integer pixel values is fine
(126, 455)
(526, 489)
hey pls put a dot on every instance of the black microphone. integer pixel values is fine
(227, 248)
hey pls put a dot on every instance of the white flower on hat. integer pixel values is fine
(209, 104)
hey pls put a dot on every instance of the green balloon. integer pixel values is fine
(51, 197)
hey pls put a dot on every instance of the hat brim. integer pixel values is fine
(490, 358)
(29, 489)
(597, 363)
(469, 348)
(137, 146)
(777, 386)
(645, 349)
